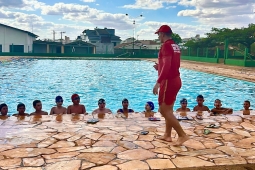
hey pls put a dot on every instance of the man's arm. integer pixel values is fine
(69, 110)
(166, 61)
(83, 109)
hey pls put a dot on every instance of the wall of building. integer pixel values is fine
(9, 36)
(104, 48)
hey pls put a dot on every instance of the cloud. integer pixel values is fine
(88, 0)
(227, 13)
(168, 7)
(83, 13)
(11, 3)
(19, 16)
(149, 4)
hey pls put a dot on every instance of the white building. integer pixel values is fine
(15, 40)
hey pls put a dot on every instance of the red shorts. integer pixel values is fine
(169, 90)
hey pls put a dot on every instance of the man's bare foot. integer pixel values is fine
(181, 140)
(165, 138)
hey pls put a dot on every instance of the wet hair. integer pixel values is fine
(125, 100)
(200, 96)
(3, 105)
(183, 101)
(247, 101)
(35, 102)
(20, 105)
(100, 101)
(217, 100)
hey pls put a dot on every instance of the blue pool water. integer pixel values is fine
(26, 80)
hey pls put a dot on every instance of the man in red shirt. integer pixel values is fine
(169, 83)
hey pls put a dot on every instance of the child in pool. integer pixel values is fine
(37, 104)
(3, 111)
(76, 108)
(246, 107)
(125, 110)
(101, 110)
(183, 109)
(149, 107)
(21, 108)
(58, 109)
(220, 110)
(200, 104)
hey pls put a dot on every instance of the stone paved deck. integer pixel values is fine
(116, 143)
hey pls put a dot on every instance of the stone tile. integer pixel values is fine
(110, 137)
(219, 130)
(146, 137)
(27, 168)
(159, 144)
(5, 147)
(130, 137)
(134, 128)
(228, 150)
(232, 137)
(188, 161)
(211, 144)
(63, 135)
(49, 161)
(84, 142)
(74, 138)
(97, 158)
(36, 161)
(242, 132)
(27, 152)
(133, 165)
(194, 144)
(177, 149)
(144, 144)
(108, 167)
(248, 126)
(10, 163)
(118, 149)
(86, 165)
(71, 149)
(230, 161)
(234, 118)
(244, 152)
(119, 129)
(117, 161)
(201, 152)
(98, 149)
(164, 151)
(127, 133)
(245, 143)
(65, 165)
(62, 144)
(94, 136)
(61, 155)
(127, 145)
(1, 157)
(104, 144)
(160, 163)
(215, 156)
(136, 154)
(107, 131)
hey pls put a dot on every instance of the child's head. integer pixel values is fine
(217, 103)
(246, 104)
(59, 100)
(37, 105)
(21, 108)
(125, 103)
(101, 103)
(184, 103)
(75, 99)
(149, 106)
(3, 109)
(200, 100)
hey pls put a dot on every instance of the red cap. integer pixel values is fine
(164, 28)
(74, 96)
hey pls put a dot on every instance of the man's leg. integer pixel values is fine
(168, 129)
(172, 122)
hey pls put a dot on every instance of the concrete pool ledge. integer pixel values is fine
(116, 143)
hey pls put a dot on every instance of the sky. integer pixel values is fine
(186, 17)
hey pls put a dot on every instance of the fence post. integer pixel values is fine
(206, 52)
(197, 52)
(245, 54)
(189, 51)
(226, 50)
(217, 54)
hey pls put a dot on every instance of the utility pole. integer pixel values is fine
(61, 33)
(134, 33)
(54, 33)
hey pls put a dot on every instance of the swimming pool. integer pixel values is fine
(26, 80)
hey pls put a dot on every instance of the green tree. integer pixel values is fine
(177, 39)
